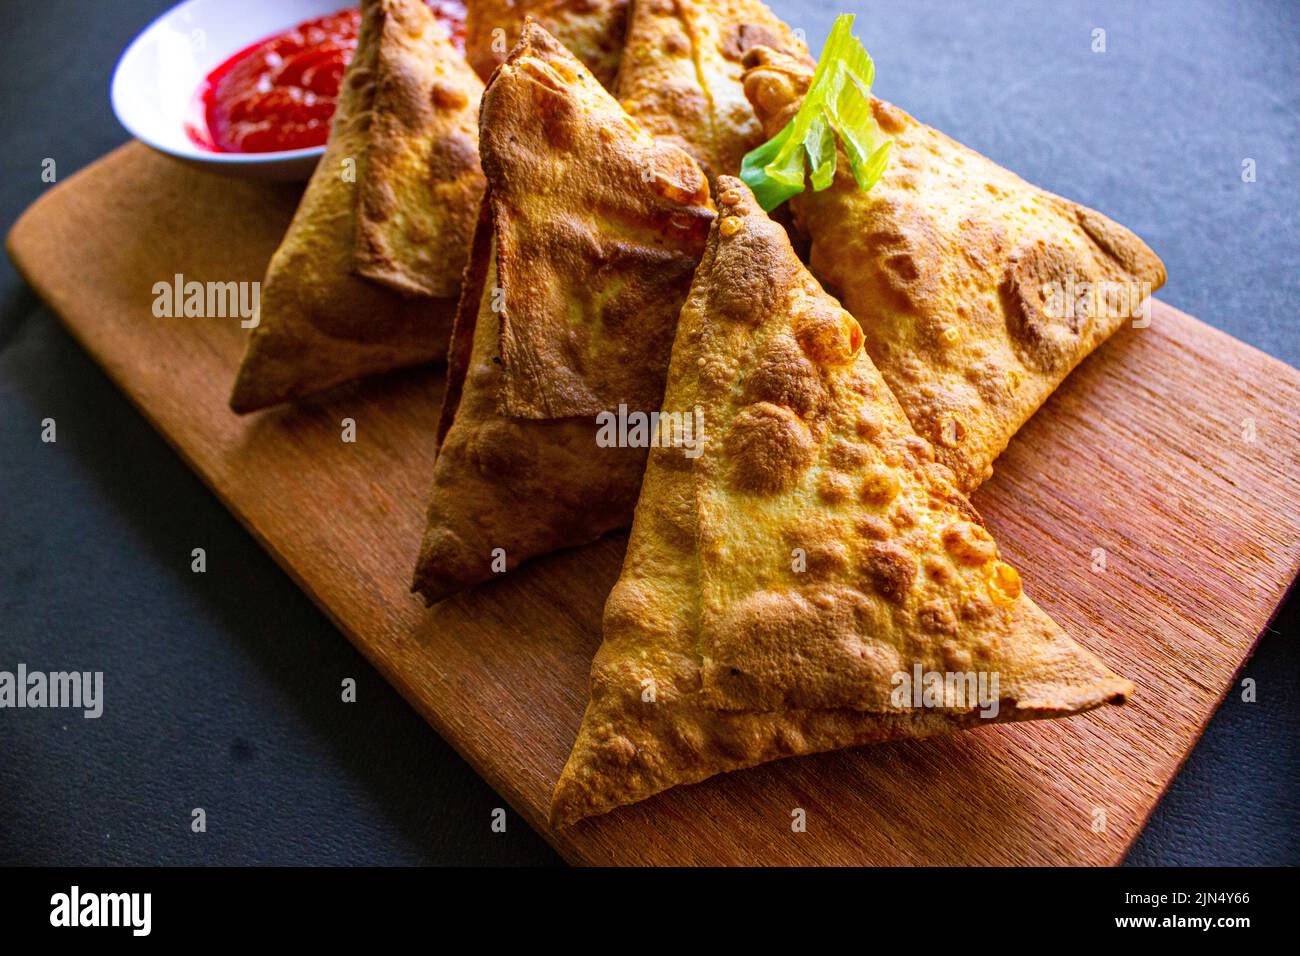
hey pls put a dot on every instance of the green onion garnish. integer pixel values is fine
(838, 103)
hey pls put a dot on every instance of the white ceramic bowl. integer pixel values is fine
(156, 80)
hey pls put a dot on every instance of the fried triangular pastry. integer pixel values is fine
(591, 235)
(978, 292)
(780, 586)
(368, 275)
(592, 30)
(682, 70)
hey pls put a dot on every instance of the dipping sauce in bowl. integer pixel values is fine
(280, 93)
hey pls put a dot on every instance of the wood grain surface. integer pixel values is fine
(1173, 449)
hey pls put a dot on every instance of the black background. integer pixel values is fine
(223, 689)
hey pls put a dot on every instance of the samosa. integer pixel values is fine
(368, 275)
(797, 587)
(977, 292)
(681, 75)
(590, 235)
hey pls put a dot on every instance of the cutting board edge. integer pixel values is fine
(1256, 353)
(1213, 711)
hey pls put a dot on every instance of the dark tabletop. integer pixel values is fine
(223, 688)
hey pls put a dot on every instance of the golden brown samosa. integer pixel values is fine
(592, 30)
(793, 589)
(368, 276)
(977, 291)
(591, 233)
(682, 70)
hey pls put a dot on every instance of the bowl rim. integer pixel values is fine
(193, 151)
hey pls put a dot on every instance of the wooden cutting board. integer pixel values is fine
(1173, 450)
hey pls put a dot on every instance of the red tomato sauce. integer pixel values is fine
(280, 93)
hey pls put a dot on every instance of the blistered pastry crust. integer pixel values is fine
(774, 586)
